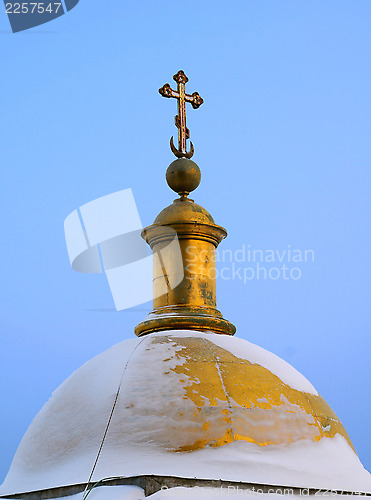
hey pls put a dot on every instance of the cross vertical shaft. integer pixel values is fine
(180, 120)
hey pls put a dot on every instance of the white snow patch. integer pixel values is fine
(62, 442)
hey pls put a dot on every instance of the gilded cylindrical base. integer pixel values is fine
(185, 318)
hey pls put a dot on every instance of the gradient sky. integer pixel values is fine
(283, 142)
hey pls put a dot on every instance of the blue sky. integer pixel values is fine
(283, 142)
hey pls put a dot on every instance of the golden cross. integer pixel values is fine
(180, 120)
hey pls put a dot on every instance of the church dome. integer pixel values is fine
(185, 403)
(192, 405)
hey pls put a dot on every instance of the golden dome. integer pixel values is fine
(184, 210)
(187, 404)
(227, 398)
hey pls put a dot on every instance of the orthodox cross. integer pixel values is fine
(180, 120)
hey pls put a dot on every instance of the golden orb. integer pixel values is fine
(183, 176)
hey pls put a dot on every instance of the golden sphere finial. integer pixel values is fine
(183, 176)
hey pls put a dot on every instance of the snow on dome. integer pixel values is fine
(189, 404)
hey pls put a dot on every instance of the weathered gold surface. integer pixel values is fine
(183, 176)
(191, 304)
(217, 398)
(184, 211)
